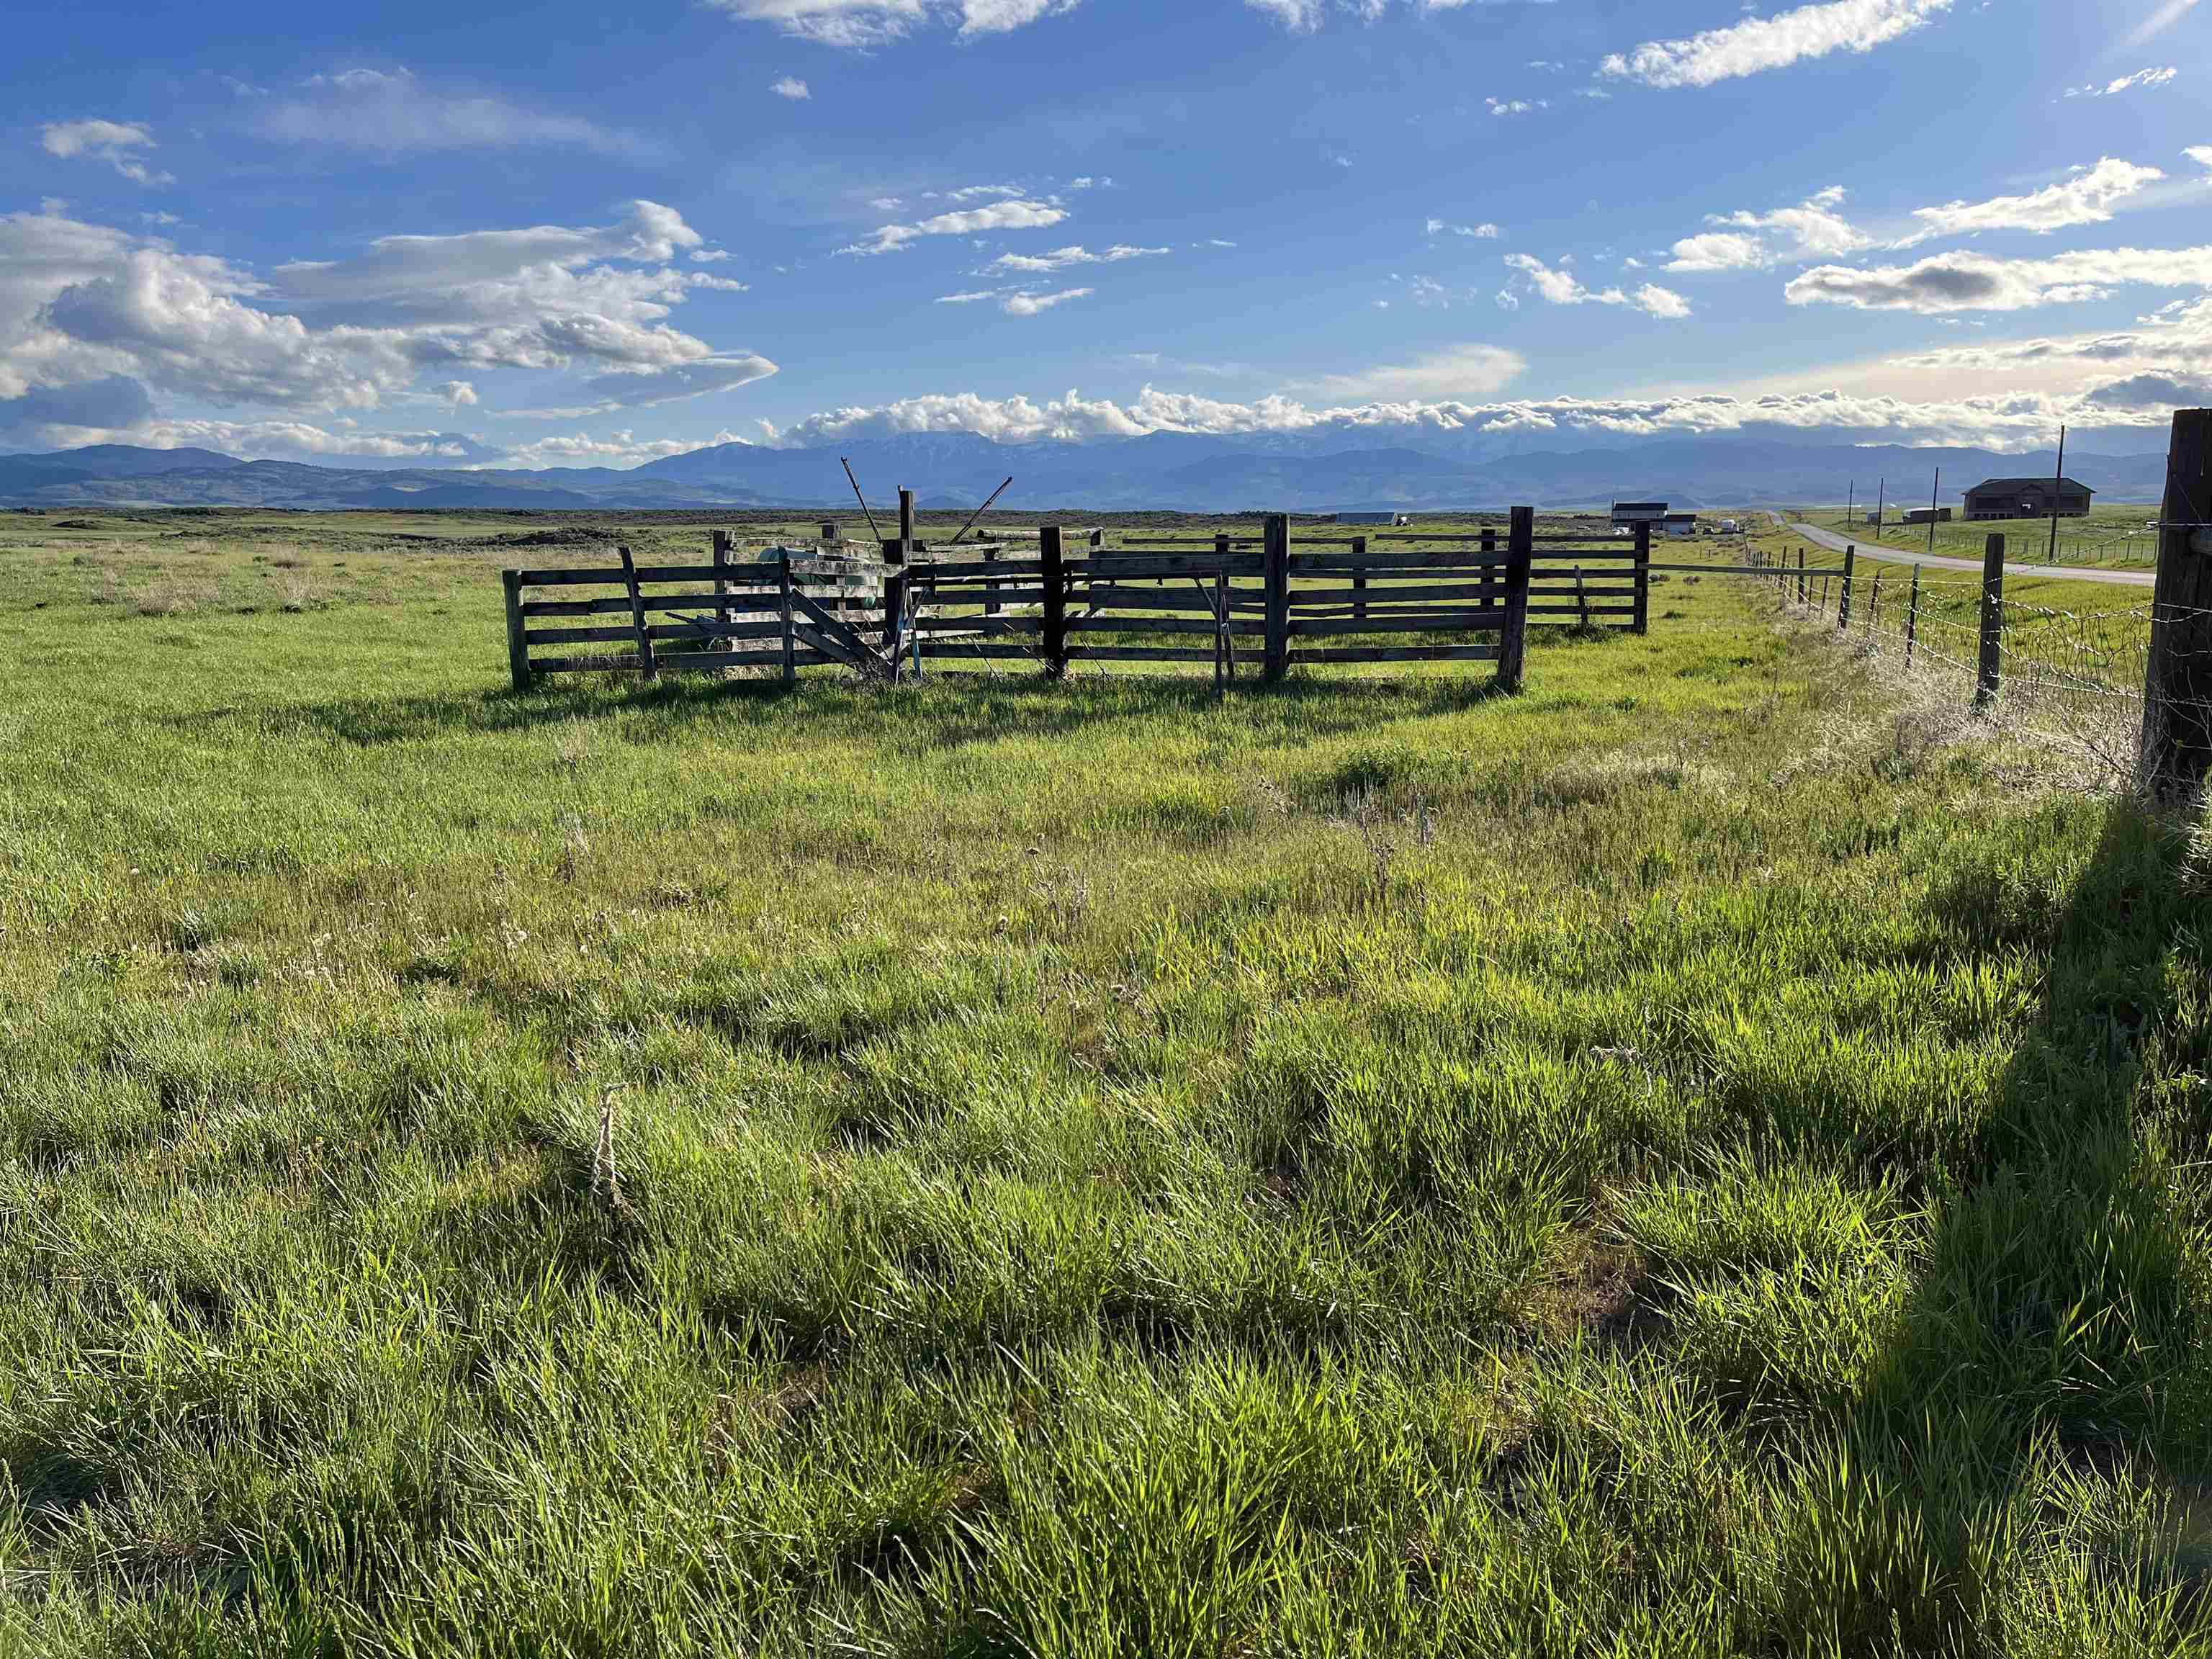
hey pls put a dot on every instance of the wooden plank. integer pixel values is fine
(1136, 653)
(980, 648)
(977, 624)
(822, 625)
(1394, 653)
(768, 602)
(1126, 623)
(1159, 567)
(1440, 621)
(540, 638)
(1346, 563)
(740, 573)
(1383, 599)
(1004, 570)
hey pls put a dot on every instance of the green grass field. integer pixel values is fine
(1698, 1159)
(2114, 536)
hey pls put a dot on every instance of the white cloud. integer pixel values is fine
(2086, 198)
(1812, 229)
(862, 23)
(1016, 215)
(2162, 18)
(1516, 105)
(115, 142)
(1060, 258)
(616, 449)
(83, 304)
(1029, 305)
(1486, 231)
(1759, 44)
(1561, 288)
(791, 87)
(2200, 153)
(1459, 372)
(1966, 281)
(394, 113)
(2147, 77)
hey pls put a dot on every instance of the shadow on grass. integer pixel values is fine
(2058, 1321)
(945, 711)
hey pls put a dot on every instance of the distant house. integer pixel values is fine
(1932, 514)
(1393, 519)
(1678, 524)
(1630, 512)
(2028, 498)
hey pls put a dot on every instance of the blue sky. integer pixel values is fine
(573, 235)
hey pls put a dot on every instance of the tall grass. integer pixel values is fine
(1651, 1166)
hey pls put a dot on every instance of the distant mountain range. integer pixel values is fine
(1407, 467)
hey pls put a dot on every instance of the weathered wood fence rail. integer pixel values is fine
(1271, 602)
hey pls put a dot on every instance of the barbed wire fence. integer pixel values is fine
(2067, 684)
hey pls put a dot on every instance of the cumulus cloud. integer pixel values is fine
(1484, 232)
(864, 23)
(2086, 198)
(2147, 77)
(1562, 287)
(1061, 258)
(1972, 281)
(1747, 241)
(1017, 213)
(2200, 153)
(83, 304)
(1760, 44)
(791, 87)
(115, 142)
(621, 449)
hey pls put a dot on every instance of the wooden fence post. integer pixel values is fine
(1055, 602)
(1912, 618)
(1277, 568)
(518, 642)
(991, 604)
(1874, 605)
(1643, 622)
(1800, 576)
(1582, 600)
(790, 636)
(1843, 599)
(1224, 648)
(1513, 642)
(1991, 667)
(2177, 734)
(721, 541)
(1489, 569)
(645, 662)
(1359, 580)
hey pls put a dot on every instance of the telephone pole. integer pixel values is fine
(2058, 481)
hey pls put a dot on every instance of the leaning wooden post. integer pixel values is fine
(1843, 598)
(1912, 618)
(645, 662)
(1513, 642)
(1985, 682)
(1874, 605)
(721, 541)
(790, 633)
(1359, 579)
(895, 554)
(1054, 573)
(1276, 542)
(518, 642)
(2177, 734)
(1643, 622)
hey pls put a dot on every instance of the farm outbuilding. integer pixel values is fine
(2028, 498)
(1632, 512)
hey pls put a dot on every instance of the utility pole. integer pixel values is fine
(1935, 495)
(1880, 506)
(2058, 481)
(1850, 501)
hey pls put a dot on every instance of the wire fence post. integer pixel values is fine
(518, 641)
(2177, 734)
(790, 631)
(1873, 606)
(1986, 681)
(1800, 576)
(1912, 617)
(1843, 596)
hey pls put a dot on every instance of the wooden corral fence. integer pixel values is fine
(1270, 602)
